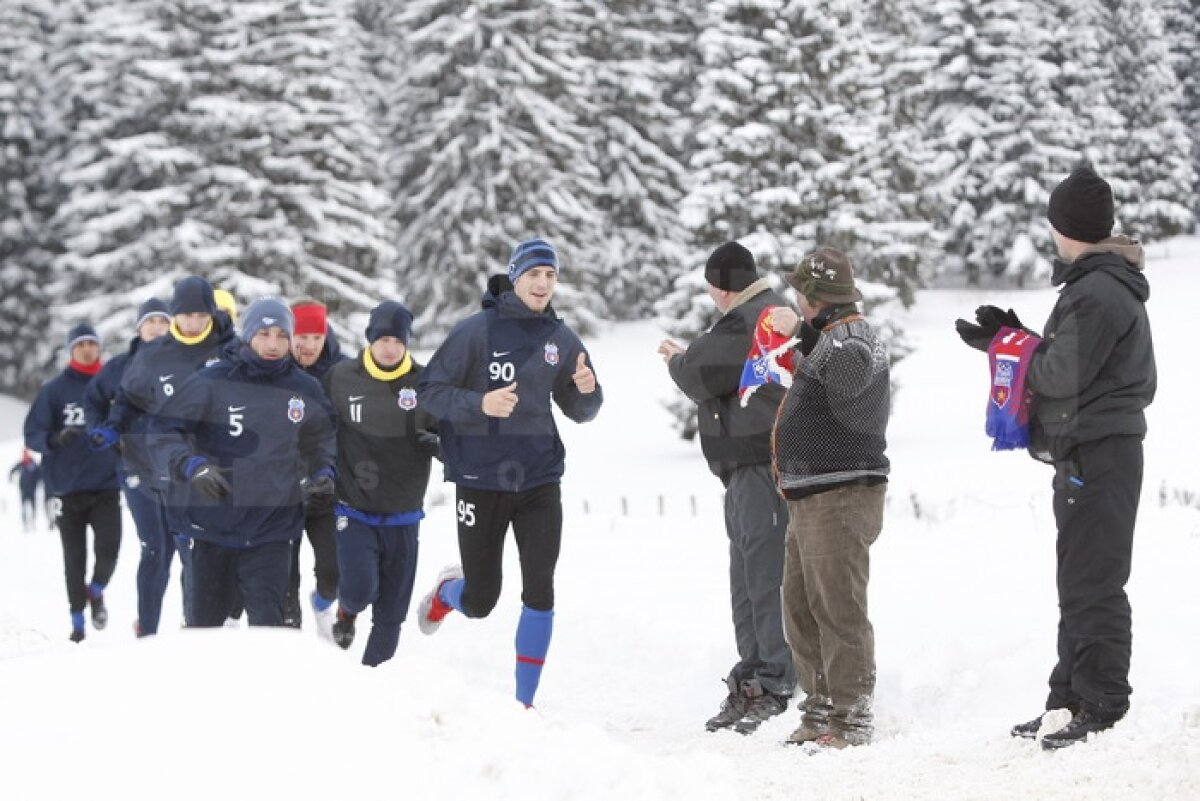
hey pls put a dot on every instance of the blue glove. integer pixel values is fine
(103, 438)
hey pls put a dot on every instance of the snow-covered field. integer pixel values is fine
(962, 598)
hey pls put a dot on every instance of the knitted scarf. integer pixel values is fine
(770, 358)
(1009, 356)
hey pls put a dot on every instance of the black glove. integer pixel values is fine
(319, 489)
(808, 337)
(974, 335)
(66, 437)
(989, 316)
(209, 482)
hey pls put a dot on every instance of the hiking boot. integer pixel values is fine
(732, 708)
(1029, 729)
(831, 740)
(806, 733)
(99, 612)
(342, 630)
(1077, 730)
(760, 706)
(432, 609)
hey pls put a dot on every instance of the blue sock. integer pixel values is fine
(320, 602)
(95, 590)
(533, 641)
(451, 593)
(77, 621)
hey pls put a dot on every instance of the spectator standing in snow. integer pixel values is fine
(1091, 377)
(385, 444)
(829, 445)
(315, 348)
(238, 436)
(82, 482)
(106, 424)
(199, 335)
(29, 475)
(491, 385)
(736, 441)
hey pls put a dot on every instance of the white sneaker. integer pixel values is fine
(323, 619)
(431, 611)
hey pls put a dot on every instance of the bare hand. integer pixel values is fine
(668, 348)
(584, 378)
(784, 320)
(501, 402)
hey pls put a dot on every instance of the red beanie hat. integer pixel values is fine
(310, 318)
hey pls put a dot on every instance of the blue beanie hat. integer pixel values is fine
(390, 319)
(264, 313)
(82, 333)
(150, 308)
(529, 254)
(193, 294)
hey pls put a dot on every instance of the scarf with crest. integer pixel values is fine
(1009, 356)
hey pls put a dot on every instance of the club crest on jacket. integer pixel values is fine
(551, 354)
(296, 409)
(407, 399)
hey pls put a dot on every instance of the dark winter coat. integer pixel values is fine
(151, 378)
(1094, 373)
(266, 426)
(709, 373)
(103, 389)
(385, 439)
(491, 349)
(30, 475)
(76, 467)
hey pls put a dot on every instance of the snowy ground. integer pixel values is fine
(962, 598)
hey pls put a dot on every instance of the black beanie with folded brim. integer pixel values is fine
(1081, 207)
(731, 267)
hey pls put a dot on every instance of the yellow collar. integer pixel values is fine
(375, 371)
(196, 340)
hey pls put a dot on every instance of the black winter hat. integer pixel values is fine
(193, 294)
(83, 332)
(731, 267)
(390, 319)
(1081, 207)
(151, 307)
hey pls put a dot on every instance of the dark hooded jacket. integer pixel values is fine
(1094, 373)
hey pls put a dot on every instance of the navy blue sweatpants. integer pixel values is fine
(377, 566)
(260, 572)
(154, 567)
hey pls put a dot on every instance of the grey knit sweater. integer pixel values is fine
(832, 424)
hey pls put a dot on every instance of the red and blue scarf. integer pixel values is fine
(770, 360)
(1009, 356)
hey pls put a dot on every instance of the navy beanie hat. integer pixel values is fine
(529, 254)
(1081, 207)
(390, 319)
(264, 313)
(731, 267)
(82, 333)
(150, 308)
(193, 294)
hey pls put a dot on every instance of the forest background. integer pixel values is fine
(352, 151)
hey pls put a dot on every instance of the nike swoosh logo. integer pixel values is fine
(496, 354)
(236, 408)
(354, 398)
(167, 377)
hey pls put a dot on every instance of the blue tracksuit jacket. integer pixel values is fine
(489, 350)
(75, 468)
(266, 426)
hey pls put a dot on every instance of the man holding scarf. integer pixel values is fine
(1091, 379)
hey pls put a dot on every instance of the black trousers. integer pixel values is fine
(320, 524)
(77, 511)
(483, 520)
(1095, 505)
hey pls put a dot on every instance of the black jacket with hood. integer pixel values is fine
(1094, 373)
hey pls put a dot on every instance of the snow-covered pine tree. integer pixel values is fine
(229, 140)
(24, 260)
(642, 51)
(491, 146)
(1150, 168)
(1182, 21)
(997, 109)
